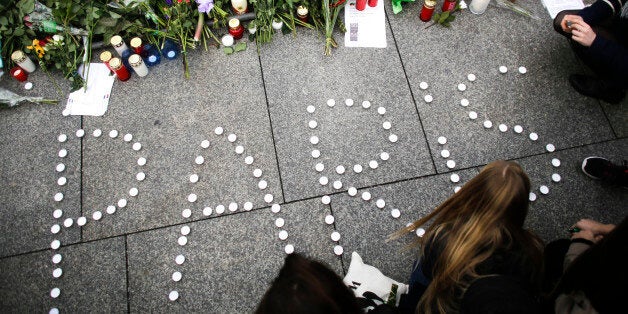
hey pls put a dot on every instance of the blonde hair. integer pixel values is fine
(486, 214)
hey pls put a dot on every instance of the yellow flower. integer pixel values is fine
(37, 48)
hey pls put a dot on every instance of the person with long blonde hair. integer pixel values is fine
(476, 243)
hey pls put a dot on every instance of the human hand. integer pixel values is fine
(591, 230)
(582, 33)
(584, 234)
(568, 21)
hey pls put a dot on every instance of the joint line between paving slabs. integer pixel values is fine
(403, 67)
(126, 259)
(272, 133)
(81, 181)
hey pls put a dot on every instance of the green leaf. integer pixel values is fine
(4, 20)
(26, 6)
(436, 17)
(228, 50)
(18, 31)
(114, 15)
(443, 17)
(240, 47)
(451, 18)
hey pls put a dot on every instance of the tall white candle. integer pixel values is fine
(138, 65)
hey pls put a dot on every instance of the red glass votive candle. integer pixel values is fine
(372, 3)
(19, 74)
(449, 5)
(302, 13)
(428, 10)
(121, 71)
(105, 57)
(360, 5)
(235, 28)
(136, 45)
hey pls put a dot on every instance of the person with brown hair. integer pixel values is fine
(307, 286)
(475, 255)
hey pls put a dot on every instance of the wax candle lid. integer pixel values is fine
(105, 56)
(115, 63)
(135, 60)
(136, 42)
(302, 10)
(233, 23)
(18, 56)
(116, 41)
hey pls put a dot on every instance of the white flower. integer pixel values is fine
(57, 37)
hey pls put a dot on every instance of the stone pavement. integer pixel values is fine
(124, 262)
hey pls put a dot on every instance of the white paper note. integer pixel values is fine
(94, 100)
(366, 28)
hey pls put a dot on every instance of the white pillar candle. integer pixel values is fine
(138, 65)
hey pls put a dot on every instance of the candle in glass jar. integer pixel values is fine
(449, 5)
(239, 6)
(427, 10)
(302, 13)
(372, 3)
(151, 55)
(21, 59)
(360, 5)
(138, 65)
(105, 56)
(478, 6)
(136, 45)
(118, 44)
(235, 28)
(121, 71)
(170, 50)
(19, 74)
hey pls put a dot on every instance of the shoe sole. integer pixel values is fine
(584, 162)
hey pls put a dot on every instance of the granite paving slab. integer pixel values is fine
(576, 195)
(30, 155)
(298, 75)
(540, 100)
(93, 279)
(229, 263)
(170, 116)
(365, 227)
